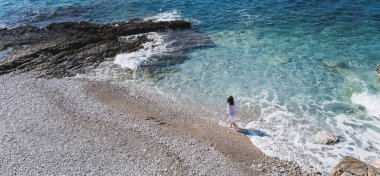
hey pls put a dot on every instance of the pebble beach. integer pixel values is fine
(74, 126)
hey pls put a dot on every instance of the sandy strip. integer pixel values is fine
(79, 127)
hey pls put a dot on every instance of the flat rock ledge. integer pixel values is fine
(65, 49)
(325, 137)
(350, 166)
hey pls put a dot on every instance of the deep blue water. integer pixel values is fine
(304, 65)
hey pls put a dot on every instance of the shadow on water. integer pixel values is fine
(253, 132)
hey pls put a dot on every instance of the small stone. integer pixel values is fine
(325, 137)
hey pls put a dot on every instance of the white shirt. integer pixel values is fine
(231, 110)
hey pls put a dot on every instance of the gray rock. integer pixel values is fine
(352, 166)
(64, 49)
(325, 137)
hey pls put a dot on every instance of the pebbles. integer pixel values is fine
(55, 127)
(275, 166)
(58, 127)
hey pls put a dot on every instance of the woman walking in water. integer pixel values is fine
(231, 112)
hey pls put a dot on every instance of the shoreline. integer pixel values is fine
(74, 100)
(119, 120)
(187, 118)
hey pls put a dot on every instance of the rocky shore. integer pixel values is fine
(65, 49)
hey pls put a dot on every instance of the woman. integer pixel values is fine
(231, 112)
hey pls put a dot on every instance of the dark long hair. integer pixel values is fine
(230, 100)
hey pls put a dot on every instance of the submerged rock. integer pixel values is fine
(336, 66)
(281, 59)
(64, 49)
(325, 137)
(354, 167)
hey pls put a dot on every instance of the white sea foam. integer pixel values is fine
(246, 17)
(133, 60)
(369, 101)
(290, 135)
(156, 47)
(171, 15)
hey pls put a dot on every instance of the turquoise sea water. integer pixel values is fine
(305, 66)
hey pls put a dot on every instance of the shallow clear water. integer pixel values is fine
(306, 65)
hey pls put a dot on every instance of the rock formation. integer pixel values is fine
(350, 166)
(325, 137)
(64, 49)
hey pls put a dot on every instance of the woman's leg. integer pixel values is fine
(235, 126)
